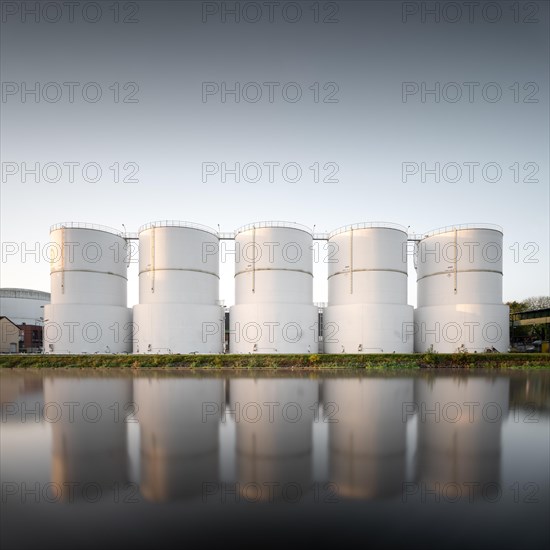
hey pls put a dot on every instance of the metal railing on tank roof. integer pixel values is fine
(227, 236)
(25, 293)
(367, 225)
(178, 223)
(458, 227)
(86, 225)
(270, 224)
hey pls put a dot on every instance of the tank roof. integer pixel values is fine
(463, 226)
(273, 224)
(178, 223)
(367, 225)
(86, 225)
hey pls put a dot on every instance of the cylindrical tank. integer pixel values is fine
(274, 435)
(179, 423)
(367, 290)
(88, 312)
(367, 435)
(459, 281)
(273, 311)
(179, 309)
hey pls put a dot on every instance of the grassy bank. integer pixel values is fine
(374, 361)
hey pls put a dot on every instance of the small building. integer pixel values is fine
(9, 336)
(25, 308)
(530, 329)
(31, 338)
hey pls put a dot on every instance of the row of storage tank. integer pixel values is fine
(357, 427)
(459, 278)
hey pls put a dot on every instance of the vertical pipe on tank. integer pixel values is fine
(351, 260)
(153, 258)
(456, 261)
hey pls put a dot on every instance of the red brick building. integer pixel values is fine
(30, 339)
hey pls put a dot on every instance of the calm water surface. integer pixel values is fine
(450, 459)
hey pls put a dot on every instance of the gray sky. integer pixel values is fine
(360, 62)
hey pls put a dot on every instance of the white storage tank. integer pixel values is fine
(459, 281)
(273, 311)
(367, 435)
(179, 309)
(367, 290)
(88, 271)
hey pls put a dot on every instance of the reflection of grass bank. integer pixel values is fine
(370, 361)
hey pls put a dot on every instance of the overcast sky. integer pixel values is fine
(356, 118)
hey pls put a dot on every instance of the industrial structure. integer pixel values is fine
(459, 278)
(273, 311)
(460, 291)
(88, 311)
(530, 326)
(9, 336)
(367, 290)
(24, 307)
(179, 309)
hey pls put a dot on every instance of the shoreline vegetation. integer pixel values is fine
(280, 361)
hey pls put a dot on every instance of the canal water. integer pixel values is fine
(450, 459)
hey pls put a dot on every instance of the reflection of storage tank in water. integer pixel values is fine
(459, 277)
(367, 290)
(88, 312)
(459, 428)
(367, 444)
(273, 311)
(179, 425)
(274, 434)
(89, 442)
(178, 310)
